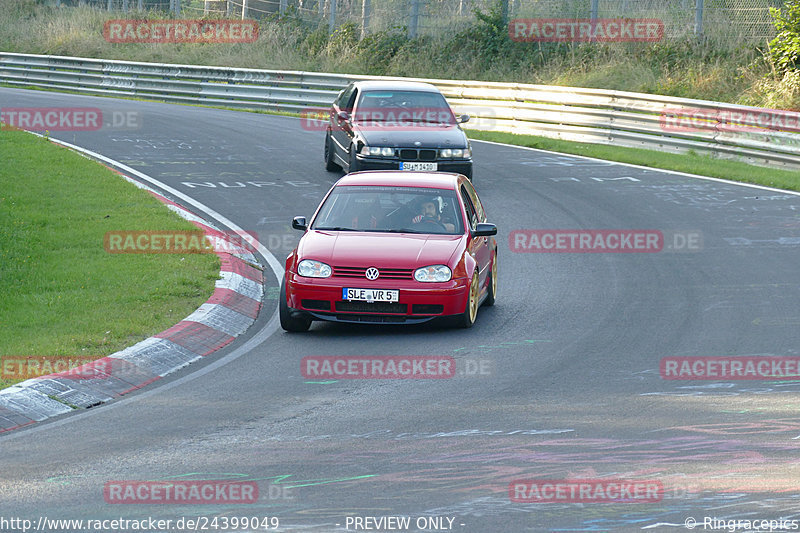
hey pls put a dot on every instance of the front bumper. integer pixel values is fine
(458, 166)
(418, 302)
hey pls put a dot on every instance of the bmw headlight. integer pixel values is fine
(433, 273)
(383, 151)
(313, 269)
(454, 153)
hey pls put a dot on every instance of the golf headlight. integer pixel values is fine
(433, 273)
(313, 269)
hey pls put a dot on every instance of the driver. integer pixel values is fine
(429, 212)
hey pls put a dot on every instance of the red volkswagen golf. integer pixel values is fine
(392, 247)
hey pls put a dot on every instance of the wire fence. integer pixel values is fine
(736, 21)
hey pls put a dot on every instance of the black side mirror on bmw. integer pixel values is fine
(300, 223)
(484, 229)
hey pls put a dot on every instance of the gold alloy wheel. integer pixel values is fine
(474, 295)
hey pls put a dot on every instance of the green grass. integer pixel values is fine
(691, 163)
(61, 293)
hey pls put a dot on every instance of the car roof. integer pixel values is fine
(396, 85)
(399, 178)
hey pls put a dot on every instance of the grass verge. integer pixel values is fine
(691, 163)
(61, 293)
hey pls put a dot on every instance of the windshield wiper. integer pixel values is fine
(334, 228)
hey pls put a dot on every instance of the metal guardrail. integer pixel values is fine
(755, 135)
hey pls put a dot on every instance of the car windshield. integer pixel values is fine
(390, 210)
(408, 106)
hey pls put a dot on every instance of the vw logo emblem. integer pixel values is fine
(372, 273)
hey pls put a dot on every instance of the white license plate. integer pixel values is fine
(370, 295)
(413, 165)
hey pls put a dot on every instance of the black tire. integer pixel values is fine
(493, 275)
(330, 164)
(293, 324)
(353, 166)
(467, 318)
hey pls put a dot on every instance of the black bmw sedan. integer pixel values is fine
(390, 125)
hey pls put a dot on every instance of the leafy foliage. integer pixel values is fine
(784, 49)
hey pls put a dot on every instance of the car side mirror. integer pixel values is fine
(343, 116)
(300, 223)
(484, 229)
(463, 118)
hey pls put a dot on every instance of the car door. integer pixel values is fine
(478, 247)
(342, 130)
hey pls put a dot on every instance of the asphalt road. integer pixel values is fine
(560, 380)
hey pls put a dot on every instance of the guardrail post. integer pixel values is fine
(110, 5)
(594, 9)
(140, 5)
(282, 8)
(413, 19)
(244, 9)
(698, 18)
(332, 18)
(364, 17)
(177, 8)
(124, 6)
(504, 11)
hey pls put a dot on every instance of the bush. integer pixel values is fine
(379, 48)
(784, 49)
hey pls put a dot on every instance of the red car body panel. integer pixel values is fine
(395, 251)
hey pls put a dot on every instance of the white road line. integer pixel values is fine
(653, 169)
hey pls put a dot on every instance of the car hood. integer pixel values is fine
(380, 250)
(428, 135)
